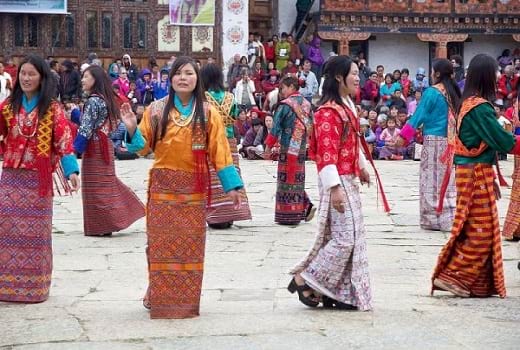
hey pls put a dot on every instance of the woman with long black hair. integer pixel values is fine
(470, 264)
(436, 115)
(108, 204)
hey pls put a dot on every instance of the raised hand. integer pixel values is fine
(129, 118)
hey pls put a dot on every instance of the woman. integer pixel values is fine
(108, 204)
(388, 88)
(434, 114)
(183, 131)
(36, 136)
(470, 264)
(292, 125)
(244, 91)
(337, 266)
(123, 82)
(511, 230)
(220, 210)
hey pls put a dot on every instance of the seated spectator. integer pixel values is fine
(120, 150)
(269, 47)
(366, 131)
(388, 88)
(121, 98)
(291, 68)
(372, 119)
(161, 88)
(402, 117)
(242, 124)
(397, 100)
(412, 105)
(244, 91)
(145, 87)
(389, 136)
(275, 150)
(370, 91)
(252, 144)
(134, 95)
(421, 81)
(405, 82)
(271, 83)
(381, 126)
(123, 82)
(507, 86)
(255, 113)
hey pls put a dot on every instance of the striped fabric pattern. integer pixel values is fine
(108, 204)
(512, 223)
(25, 238)
(472, 258)
(220, 208)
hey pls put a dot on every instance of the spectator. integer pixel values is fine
(405, 82)
(233, 73)
(370, 91)
(114, 70)
(397, 101)
(253, 50)
(412, 105)
(505, 59)
(315, 57)
(272, 83)
(161, 88)
(120, 150)
(131, 69)
(388, 88)
(295, 55)
(380, 69)
(244, 64)
(242, 124)
(252, 144)
(402, 117)
(275, 150)
(458, 67)
(258, 78)
(55, 70)
(6, 84)
(91, 57)
(420, 82)
(145, 87)
(507, 86)
(389, 136)
(11, 68)
(308, 81)
(244, 91)
(134, 95)
(283, 52)
(70, 82)
(372, 119)
(123, 82)
(270, 54)
(397, 76)
(364, 72)
(369, 135)
(261, 49)
(290, 69)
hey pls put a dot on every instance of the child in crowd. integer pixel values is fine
(366, 131)
(402, 117)
(389, 136)
(134, 95)
(161, 88)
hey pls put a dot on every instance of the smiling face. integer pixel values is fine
(87, 81)
(30, 78)
(185, 79)
(268, 122)
(350, 84)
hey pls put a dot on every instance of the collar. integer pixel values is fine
(350, 104)
(182, 109)
(29, 106)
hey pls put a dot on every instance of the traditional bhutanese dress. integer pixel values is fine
(337, 264)
(432, 115)
(176, 208)
(33, 148)
(511, 228)
(220, 207)
(291, 127)
(472, 258)
(108, 204)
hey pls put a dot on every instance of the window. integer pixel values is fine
(127, 30)
(141, 31)
(56, 35)
(32, 39)
(69, 29)
(19, 34)
(92, 29)
(106, 31)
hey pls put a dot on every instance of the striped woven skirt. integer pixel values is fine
(430, 182)
(337, 264)
(108, 204)
(220, 207)
(512, 223)
(472, 258)
(25, 238)
(176, 230)
(292, 201)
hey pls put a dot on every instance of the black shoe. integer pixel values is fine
(293, 287)
(221, 225)
(329, 303)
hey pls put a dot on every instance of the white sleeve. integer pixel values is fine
(329, 176)
(362, 160)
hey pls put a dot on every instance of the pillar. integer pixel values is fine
(441, 41)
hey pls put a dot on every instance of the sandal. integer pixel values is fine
(450, 287)
(306, 300)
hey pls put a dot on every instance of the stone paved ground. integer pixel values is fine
(98, 283)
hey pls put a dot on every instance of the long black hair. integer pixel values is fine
(335, 66)
(212, 77)
(47, 86)
(103, 88)
(481, 78)
(198, 93)
(445, 70)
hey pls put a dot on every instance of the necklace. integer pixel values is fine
(180, 121)
(28, 122)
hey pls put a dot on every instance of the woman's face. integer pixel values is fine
(270, 66)
(372, 115)
(352, 80)
(388, 80)
(404, 76)
(397, 75)
(242, 116)
(88, 81)
(30, 78)
(268, 122)
(185, 79)
(390, 124)
(243, 60)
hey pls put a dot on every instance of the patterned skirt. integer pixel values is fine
(220, 208)
(472, 258)
(108, 204)
(25, 238)
(512, 224)
(337, 264)
(430, 182)
(291, 200)
(176, 230)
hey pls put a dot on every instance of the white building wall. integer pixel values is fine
(398, 51)
(287, 14)
(491, 45)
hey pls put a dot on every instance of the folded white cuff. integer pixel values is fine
(329, 176)
(362, 160)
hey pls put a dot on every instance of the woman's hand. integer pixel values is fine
(338, 198)
(236, 197)
(74, 182)
(364, 177)
(129, 118)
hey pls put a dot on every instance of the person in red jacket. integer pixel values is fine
(370, 91)
(269, 47)
(271, 83)
(405, 82)
(507, 86)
